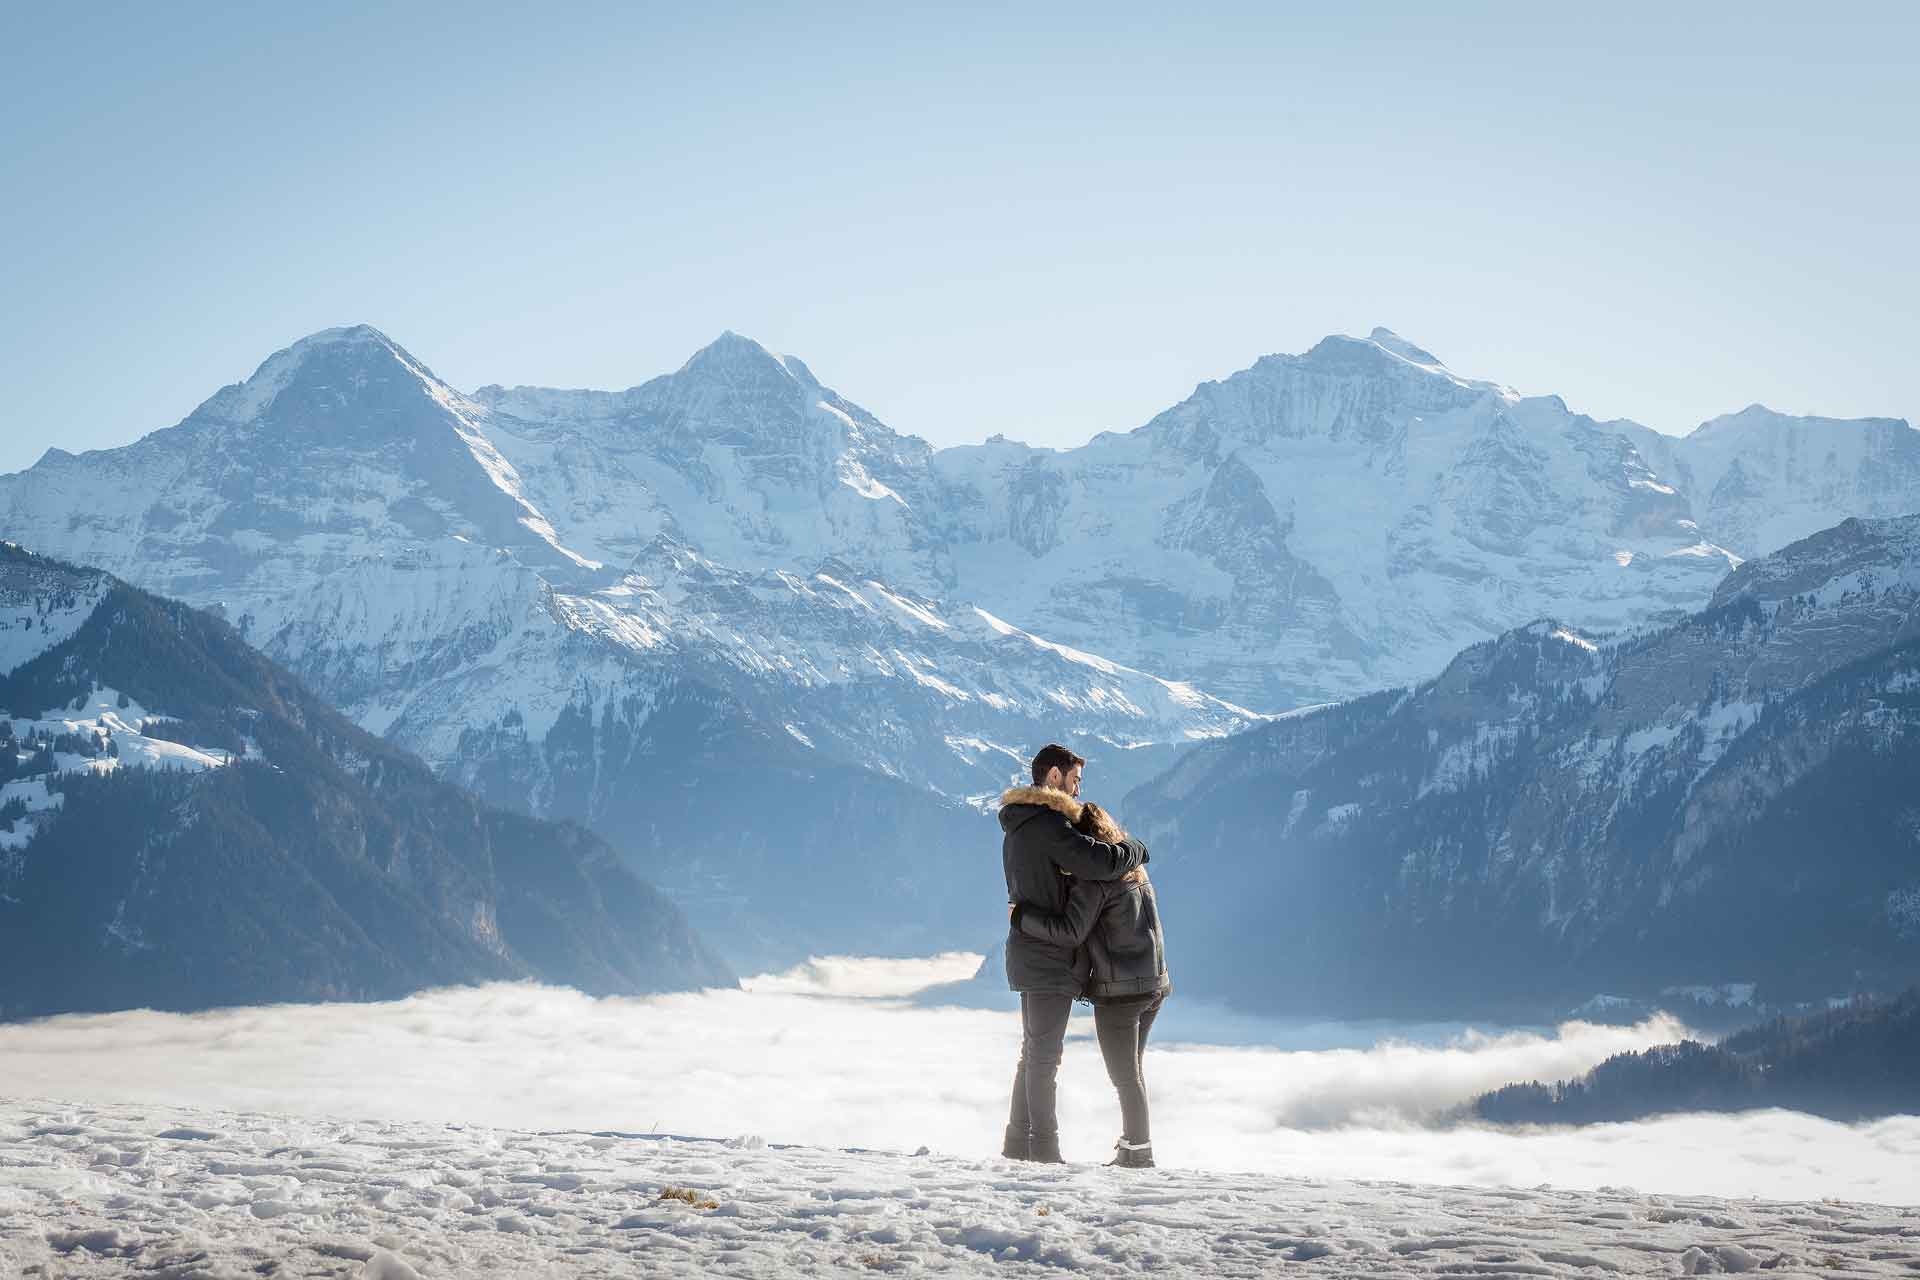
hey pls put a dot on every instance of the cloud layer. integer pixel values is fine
(829, 1055)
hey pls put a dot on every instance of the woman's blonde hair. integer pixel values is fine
(1098, 823)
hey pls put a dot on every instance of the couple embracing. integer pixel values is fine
(1084, 923)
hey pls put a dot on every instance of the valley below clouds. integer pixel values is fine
(833, 1054)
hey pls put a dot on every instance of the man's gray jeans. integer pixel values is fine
(1043, 1036)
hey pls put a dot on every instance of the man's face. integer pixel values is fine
(1070, 781)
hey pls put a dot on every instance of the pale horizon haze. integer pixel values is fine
(981, 220)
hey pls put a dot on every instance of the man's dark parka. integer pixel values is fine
(1118, 923)
(1039, 844)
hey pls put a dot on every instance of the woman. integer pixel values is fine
(1118, 922)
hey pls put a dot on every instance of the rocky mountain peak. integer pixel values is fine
(1387, 338)
(1340, 352)
(353, 368)
(1345, 388)
(1753, 415)
(739, 395)
(734, 356)
(1385, 358)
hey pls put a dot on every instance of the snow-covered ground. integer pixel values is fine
(478, 1132)
(130, 1190)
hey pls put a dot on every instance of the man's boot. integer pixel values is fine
(1015, 1145)
(1132, 1155)
(1044, 1148)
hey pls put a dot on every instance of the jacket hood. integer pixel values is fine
(1044, 797)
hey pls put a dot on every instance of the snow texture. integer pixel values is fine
(123, 1190)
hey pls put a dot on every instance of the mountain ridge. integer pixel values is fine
(513, 583)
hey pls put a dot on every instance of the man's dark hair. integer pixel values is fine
(1054, 756)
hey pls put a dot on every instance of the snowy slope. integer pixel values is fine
(125, 1190)
(39, 608)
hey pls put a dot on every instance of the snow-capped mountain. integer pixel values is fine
(183, 825)
(544, 592)
(396, 543)
(1561, 813)
(1320, 525)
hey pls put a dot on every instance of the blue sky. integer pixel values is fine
(995, 218)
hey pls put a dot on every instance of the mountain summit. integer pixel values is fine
(334, 368)
(732, 353)
(1401, 347)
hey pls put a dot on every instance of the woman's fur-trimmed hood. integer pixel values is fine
(1046, 797)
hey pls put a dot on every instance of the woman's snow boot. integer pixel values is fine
(1132, 1155)
(1015, 1145)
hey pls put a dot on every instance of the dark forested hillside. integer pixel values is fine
(284, 853)
(1851, 1063)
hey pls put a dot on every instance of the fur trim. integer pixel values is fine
(1059, 801)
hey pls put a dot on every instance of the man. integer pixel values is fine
(1041, 843)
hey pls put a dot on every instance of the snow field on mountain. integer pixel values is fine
(136, 1190)
(102, 715)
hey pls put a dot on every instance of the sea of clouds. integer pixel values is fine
(834, 1053)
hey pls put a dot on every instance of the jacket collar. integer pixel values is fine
(1046, 797)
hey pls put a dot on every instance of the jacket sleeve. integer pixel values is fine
(1085, 858)
(1069, 930)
